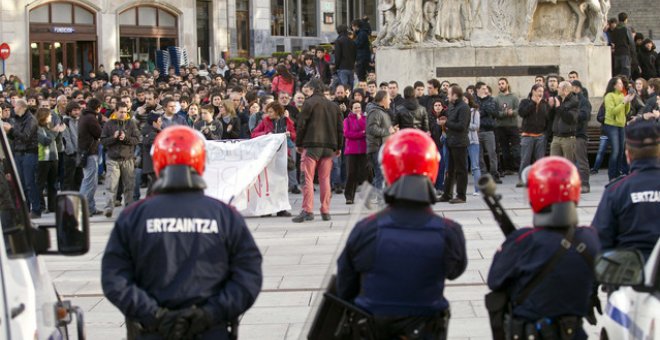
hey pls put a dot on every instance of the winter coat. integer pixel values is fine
(89, 132)
(281, 125)
(24, 133)
(282, 85)
(488, 110)
(211, 131)
(320, 124)
(363, 46)
(378, 127)
(584, 115)
(458, 123)
(615, 109)
(47, 145)
(473, 135)
(148, 136)
(235, 123)
(345, 53)
(565, 116)
(535, 116)
(70, 135)
(115, 149)
(647, 62)
(412, 115)
(355, 133)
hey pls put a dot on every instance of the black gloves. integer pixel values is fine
(168, 324)
(197, 319)
(594, 306)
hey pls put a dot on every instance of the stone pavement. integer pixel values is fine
(299, 258)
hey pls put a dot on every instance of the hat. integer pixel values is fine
(643, 133)
(576, 83)
(152, 118)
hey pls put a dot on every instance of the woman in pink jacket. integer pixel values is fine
(355, 150)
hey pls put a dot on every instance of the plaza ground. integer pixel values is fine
(299, 258)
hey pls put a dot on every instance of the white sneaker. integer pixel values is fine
(476, 193)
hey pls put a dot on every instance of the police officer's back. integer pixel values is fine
(180, 264)
(549, 290)
(629, 212)
(395, 263)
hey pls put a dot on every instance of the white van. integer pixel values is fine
(30, 307)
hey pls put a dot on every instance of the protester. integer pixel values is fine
(458, 123)
(47, 168)
(211, 128)
(617, 105)
(355, 151)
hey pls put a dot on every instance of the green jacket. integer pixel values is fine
(511, 102)
(615, 109)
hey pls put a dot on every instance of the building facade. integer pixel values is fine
(82, 34)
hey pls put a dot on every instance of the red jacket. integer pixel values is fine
(266, 126)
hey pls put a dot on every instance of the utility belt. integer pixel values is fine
(135, 330)
(561, 328)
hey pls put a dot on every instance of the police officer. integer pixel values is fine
(547, 271)
(395, 263)
(628, 213)
(179, 264)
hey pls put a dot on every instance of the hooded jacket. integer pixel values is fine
(412, 115)
(488, 110)
(378, 127)
(120, 150)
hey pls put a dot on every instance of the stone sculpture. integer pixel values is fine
(442, 22)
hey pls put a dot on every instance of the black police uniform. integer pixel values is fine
(629, 211)
(564, 291)
(395, 263)
(179, 248)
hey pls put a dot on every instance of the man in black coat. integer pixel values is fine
(363, 46)
(624, 47)
(89, 134)
(457, 124)
(564, 119)
(345, 56)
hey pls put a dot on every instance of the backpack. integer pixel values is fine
(600, 117)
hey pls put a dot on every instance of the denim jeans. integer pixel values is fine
(378, 173)
(473, 153)
(531, 147)
(602, 148)
(345, 77)
(26, 164)
(293, 174)
(338, 174)
(616, 137)
(90, 181)
(442, 169)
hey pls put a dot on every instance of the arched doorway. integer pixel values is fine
(145, 29)
(62, 35)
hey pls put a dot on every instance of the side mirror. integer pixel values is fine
(621, 267)
(72, 224)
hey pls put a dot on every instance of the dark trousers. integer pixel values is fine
(72, 174)
(457, 172)
(26, 163)
(361, 69)
(356, 167)
(47, 178)
(508, 146)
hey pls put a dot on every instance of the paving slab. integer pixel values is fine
(298, 259)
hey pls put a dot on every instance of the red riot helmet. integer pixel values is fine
(179, 145)
(409, 152)
(552, 180)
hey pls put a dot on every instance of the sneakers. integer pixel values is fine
(349, 202)
(108, 212)
(456, 201)
(302, 217)
(520, 184)
(283, 213)
(476, 193)
(295, 190)
(443, 199)
(326, 217)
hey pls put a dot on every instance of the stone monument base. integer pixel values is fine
(466, 65)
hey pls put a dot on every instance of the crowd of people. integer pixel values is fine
(76, 132)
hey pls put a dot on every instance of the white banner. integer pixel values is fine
(252, 174)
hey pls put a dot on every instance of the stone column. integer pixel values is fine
(14, 30)
(260, 38)
(220, 37)
(107, 39)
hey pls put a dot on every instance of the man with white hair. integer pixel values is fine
(564, 116)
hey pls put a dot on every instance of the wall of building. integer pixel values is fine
(643, 15)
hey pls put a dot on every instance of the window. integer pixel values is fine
(203, 29)
(61, 13)
(147, 16)
(83, 16)
(166, 19)
(128, 18)
(294, 18)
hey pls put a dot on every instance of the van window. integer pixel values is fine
(13, 213)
